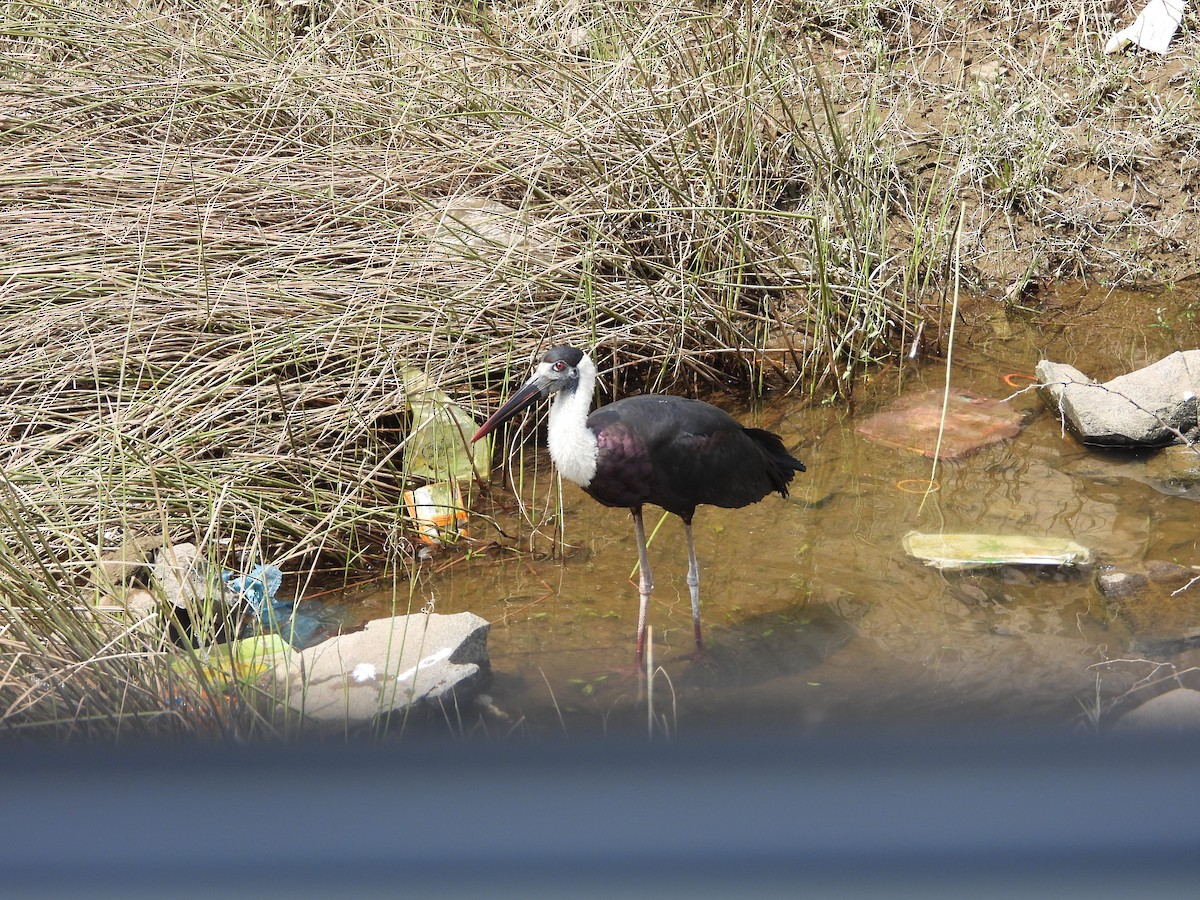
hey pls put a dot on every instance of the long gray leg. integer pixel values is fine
(645, 580)
(693, 581)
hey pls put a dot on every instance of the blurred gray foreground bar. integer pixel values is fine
(935, 814)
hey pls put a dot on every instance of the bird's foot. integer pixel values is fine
(701, 658)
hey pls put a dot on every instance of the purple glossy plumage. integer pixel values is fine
(679, 453)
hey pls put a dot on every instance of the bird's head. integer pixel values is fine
(559, 370)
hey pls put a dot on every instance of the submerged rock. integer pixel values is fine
(1116, 585)
(1148, 407)
(390, 667)
(970, 422)
(776, 644)
(1173, 470)
(1159, 600)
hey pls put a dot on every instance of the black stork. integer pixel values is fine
(669, 451)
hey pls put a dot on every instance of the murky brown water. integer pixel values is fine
(814, 615)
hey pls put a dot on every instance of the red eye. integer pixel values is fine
(560, 366)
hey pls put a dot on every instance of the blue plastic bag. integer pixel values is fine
(301, 625)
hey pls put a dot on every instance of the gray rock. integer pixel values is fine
(391, 666)
(1168, 573)
(1142, 408)
(129, 560)
(1116, 585)
(1177, 710)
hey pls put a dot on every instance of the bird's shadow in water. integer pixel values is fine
(771, 645)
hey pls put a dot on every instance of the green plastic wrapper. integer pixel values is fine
(439, 446)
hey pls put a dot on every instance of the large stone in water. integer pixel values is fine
(1175, 471)
(1176, 710)
(1148, 407)
(391, 666)
(971, 423)
(1160, 601)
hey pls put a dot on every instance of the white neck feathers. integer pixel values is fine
(573, 446)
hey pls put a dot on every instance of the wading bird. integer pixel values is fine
(669, 451)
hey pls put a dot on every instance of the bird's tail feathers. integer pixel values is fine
(784, 466)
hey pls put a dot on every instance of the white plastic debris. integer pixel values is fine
(438, 512)
(1152, 29)
(969, 551)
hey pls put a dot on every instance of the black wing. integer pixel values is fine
(678, 453)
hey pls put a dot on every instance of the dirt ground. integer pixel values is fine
(1068, 162)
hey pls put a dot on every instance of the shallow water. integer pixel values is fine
(814, 616)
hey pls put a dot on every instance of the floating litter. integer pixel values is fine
(969, 551)
(918, 486)
(241, 660)
(257, 587)
(1013, 379)
(298, 624)
(1153, 28)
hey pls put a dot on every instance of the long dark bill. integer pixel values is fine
(528, 394)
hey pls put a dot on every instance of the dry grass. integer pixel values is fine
(213, 278)
(215, 259)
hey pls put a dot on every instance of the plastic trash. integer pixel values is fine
(256, 652)
(967, 551)
(439, 450)
(438, 512)
(241, 660)
(438, 446)
(300, 624)
(248, 657)
(257, 590)
(312, 622)
(257, 587)
(1152, 29)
